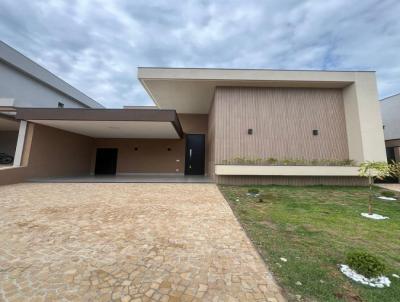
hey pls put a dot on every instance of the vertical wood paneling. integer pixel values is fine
(282, 120)
(292, 180)
(211, 141)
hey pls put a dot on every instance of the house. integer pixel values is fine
(23, 83)
(390, 109)
(234, 126)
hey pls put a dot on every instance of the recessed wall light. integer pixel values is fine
(315, 132)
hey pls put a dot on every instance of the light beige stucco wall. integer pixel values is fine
(363, 120)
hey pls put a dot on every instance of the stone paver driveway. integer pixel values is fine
(126, 242)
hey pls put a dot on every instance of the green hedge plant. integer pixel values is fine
(365, 264)
(271, 161)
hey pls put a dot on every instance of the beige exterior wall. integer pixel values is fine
(152, 155)
(12, 175)
(49, 152)
(52, 152)
(282, 120)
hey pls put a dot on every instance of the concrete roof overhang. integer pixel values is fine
(108, 123)
(191, 90)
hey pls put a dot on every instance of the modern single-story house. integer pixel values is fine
(234, 126)
(390, 109)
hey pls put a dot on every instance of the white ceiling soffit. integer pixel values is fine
(7, 124)
(115, 129)
(192, 90)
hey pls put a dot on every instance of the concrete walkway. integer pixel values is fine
(126, 242)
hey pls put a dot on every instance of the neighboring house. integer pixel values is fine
(205, 118)
(26, 84)
(390, 109)
(23, 83)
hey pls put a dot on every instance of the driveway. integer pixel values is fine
(393, 187)
(126, 242)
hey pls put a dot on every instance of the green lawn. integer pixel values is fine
(314, 228)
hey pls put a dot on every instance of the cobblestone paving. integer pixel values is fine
(126, 242)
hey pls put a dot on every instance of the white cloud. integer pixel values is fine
(97, 45)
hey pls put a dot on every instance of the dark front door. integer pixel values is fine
(195, 150)
(106, 161)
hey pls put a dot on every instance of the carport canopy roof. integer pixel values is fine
(108, 123)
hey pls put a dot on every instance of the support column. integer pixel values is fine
(20, 143)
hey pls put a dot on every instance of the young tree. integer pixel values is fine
(373, 169)
(395, 169)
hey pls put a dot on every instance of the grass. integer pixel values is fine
(314, 228)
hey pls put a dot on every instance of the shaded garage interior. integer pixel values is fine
(8, 139)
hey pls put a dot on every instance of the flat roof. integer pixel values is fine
(18, 61)
(391, 97)
(191, 90)
(108, 123)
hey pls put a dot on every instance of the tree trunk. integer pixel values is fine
(370, 180)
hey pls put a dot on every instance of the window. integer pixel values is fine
(60, 105)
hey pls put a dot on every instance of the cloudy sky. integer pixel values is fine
(97, 45)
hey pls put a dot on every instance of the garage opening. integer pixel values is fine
(106, 161)
(8, 140)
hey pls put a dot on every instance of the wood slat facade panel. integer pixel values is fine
(211, 142)
(292, 180)
(282, 120)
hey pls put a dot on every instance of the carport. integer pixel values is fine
(104, 145)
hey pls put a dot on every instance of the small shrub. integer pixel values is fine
(253, 191)
(365, 264)
(388, 193)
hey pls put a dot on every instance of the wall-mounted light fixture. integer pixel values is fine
(315, 132)
(136, 148)
(249, 131)
(168, 149)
